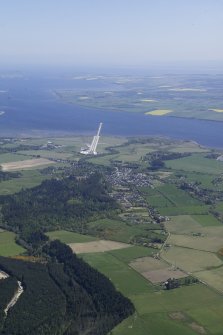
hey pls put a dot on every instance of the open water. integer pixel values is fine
(32, 109)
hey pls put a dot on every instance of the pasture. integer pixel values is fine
(126, 153)
(125, 279)
(8, 246)
(170, 200)
(207, 220)
(184, 210)
(11, 157)
(116, 230)
(47, 154)
(168, 195)
(28, 179)
(205, 243)
(129, 254)
(155, 308)
(190, 260)
(69, 236)
(196, 163)
(189, 224)
(213, 277)
(182, 224)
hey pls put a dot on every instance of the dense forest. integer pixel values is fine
(67, 202)
(62, 294)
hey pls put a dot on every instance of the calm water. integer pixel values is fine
(31, 109)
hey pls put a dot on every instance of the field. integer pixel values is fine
(216, 110)
(205, 243)
(194, 240)
(190, 260)
(156, 271)
(97, 246)
(117, 230)
(126, 153)
(159, 112)
(47, 154)
(155, 309)
(8, 246)
(214, 278)
(69, 237)
(11, 157)
(26, 164)
(189, 224)
(28, 178)
(196, 163)
(170, 200)
(185, 95)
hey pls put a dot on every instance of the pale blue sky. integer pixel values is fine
(110, 32)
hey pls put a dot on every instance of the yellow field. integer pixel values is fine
(159, 112)
(187, 89)
(148, 100)
(216, 110)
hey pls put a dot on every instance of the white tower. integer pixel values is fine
(91, 150)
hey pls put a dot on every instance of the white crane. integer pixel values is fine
(91, 150)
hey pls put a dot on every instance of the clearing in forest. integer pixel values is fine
(97, 246)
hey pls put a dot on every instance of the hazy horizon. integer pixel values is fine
(118, 34)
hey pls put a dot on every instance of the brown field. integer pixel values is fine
(155, 270)
(97, 246)
(29, 163)
(158, 276)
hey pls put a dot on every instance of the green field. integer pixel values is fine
(126, 153)
(196, 163)
(124, 278)
(154, 306)
(191, 260)
(129, 254)
(169, 195)
(193, 243)
(117, 230)
(47, 154)
(69, 237)
(28, 179)
(207, 220)
(12, 157)
(8, 246)
(170, 200)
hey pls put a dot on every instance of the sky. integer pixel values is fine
(111, 32)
